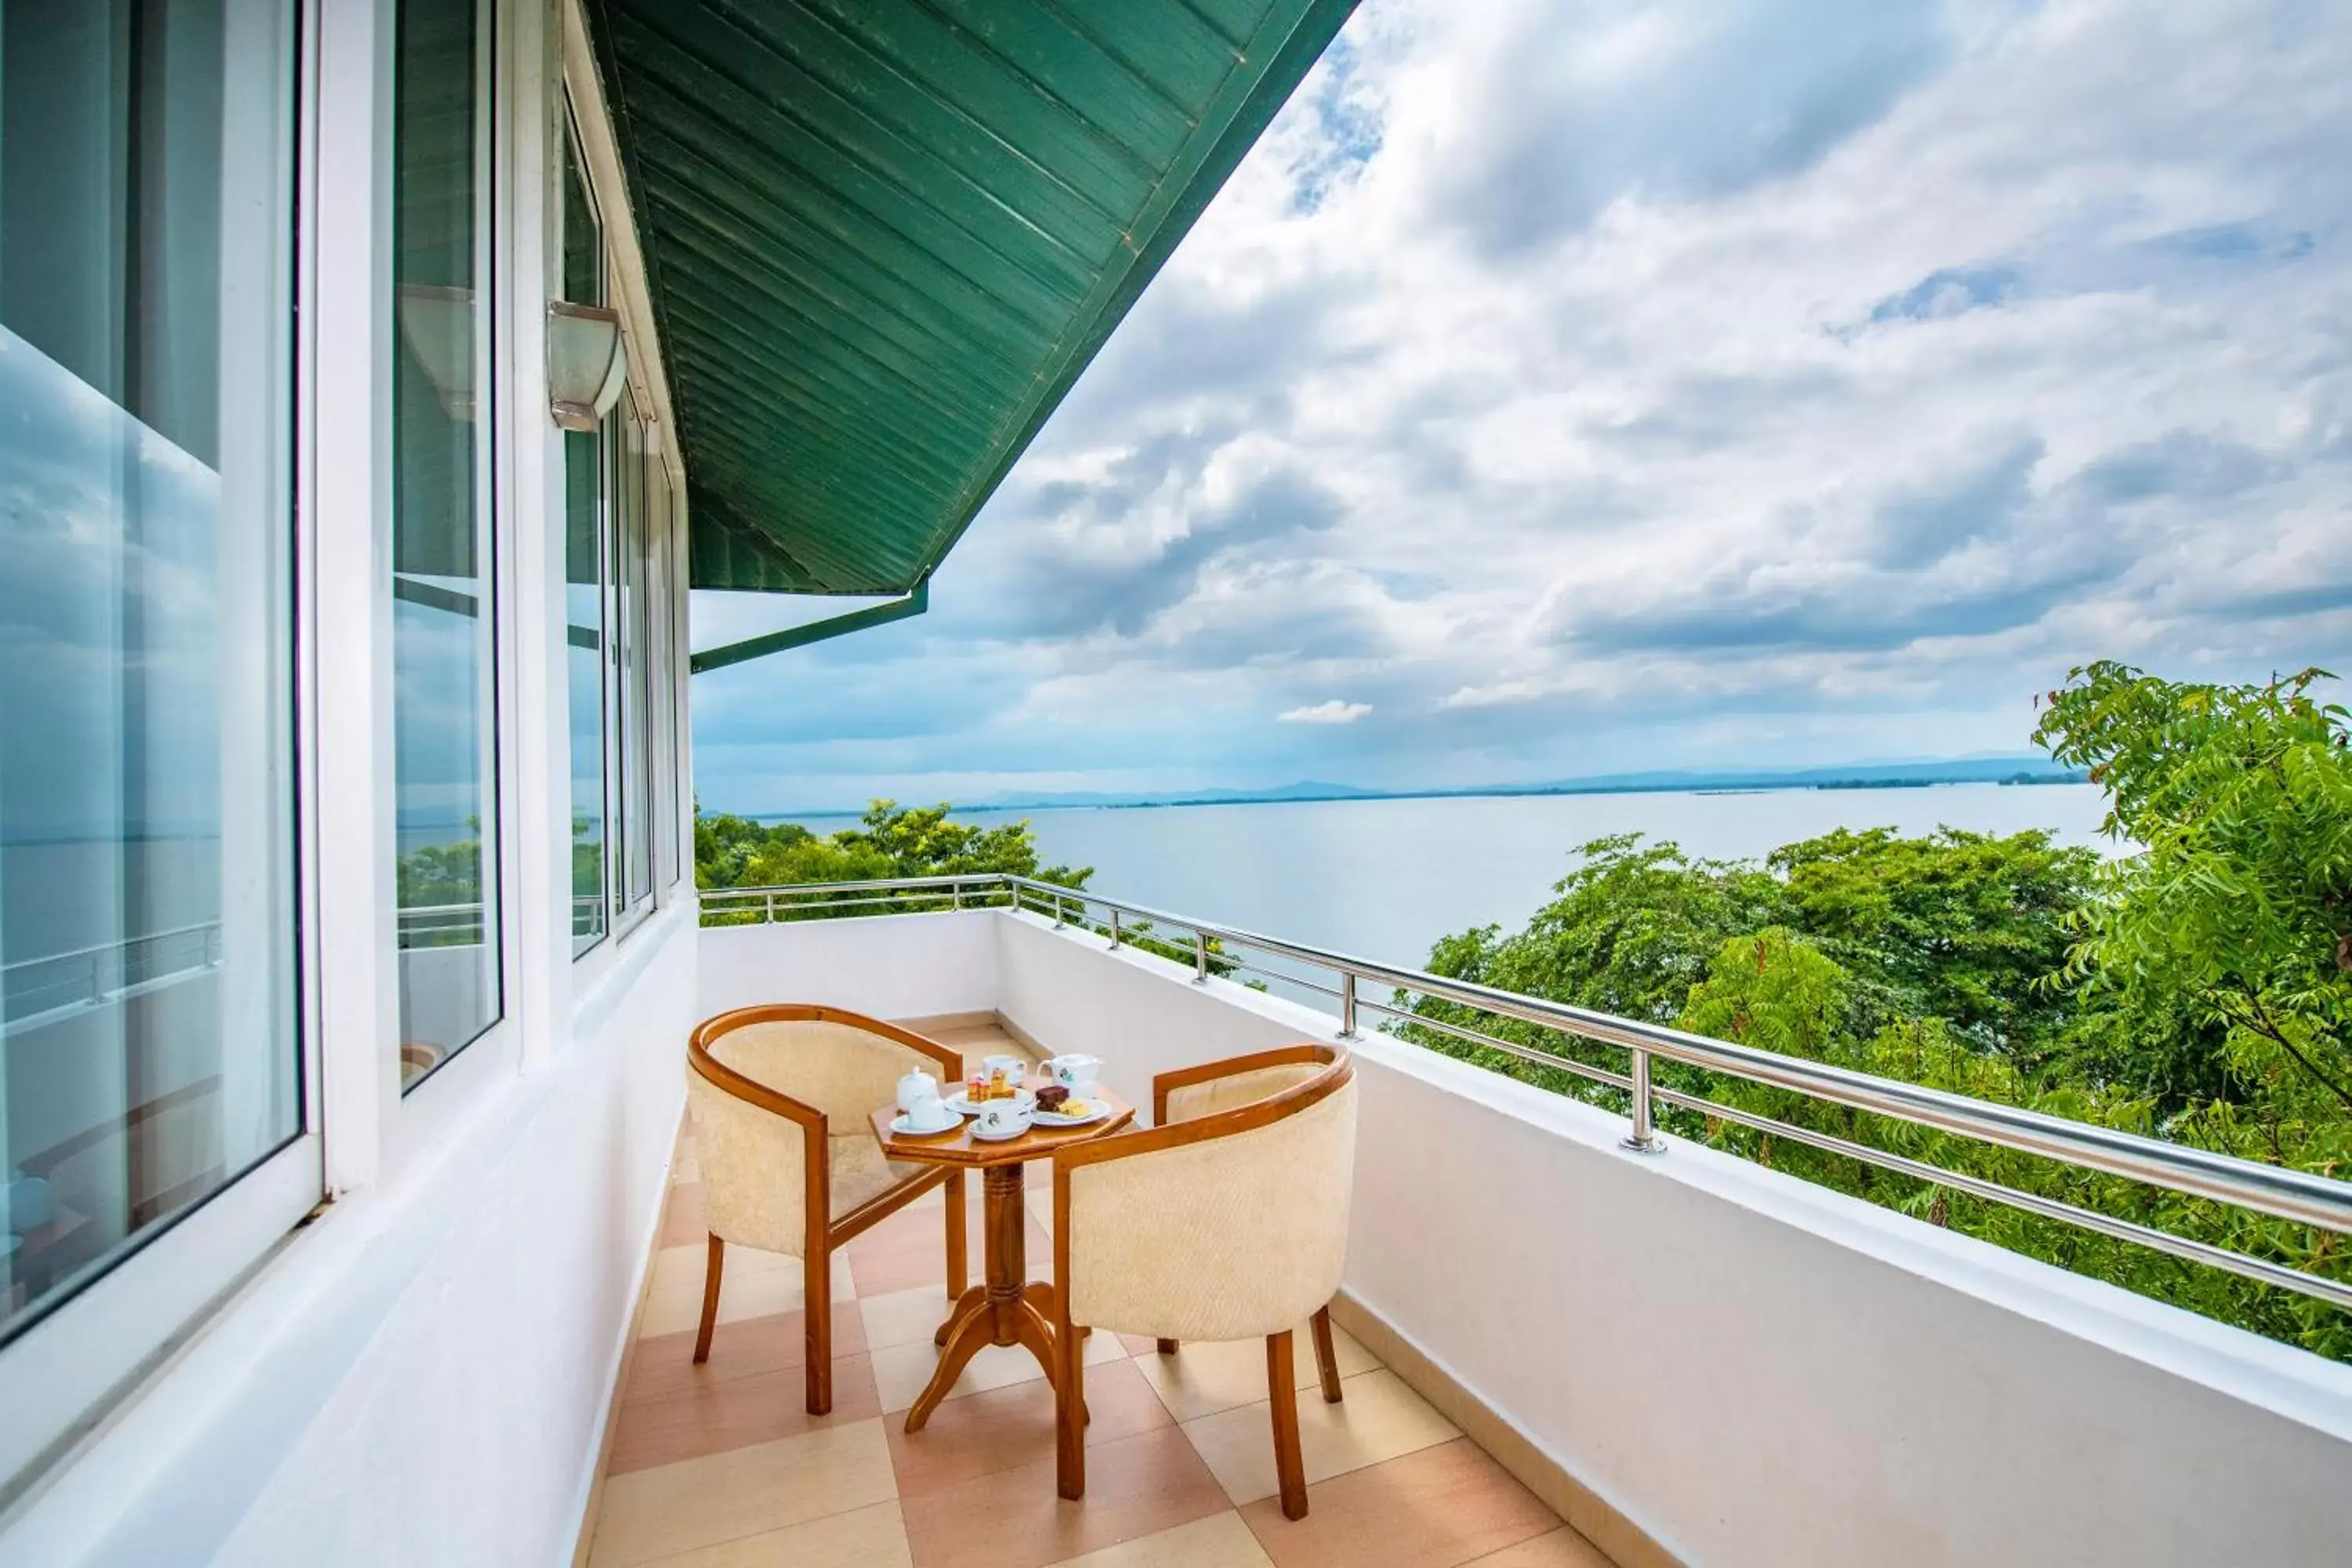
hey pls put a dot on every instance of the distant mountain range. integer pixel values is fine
(2016, 770)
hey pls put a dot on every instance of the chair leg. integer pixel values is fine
(1168, 1347)
(1327, 1360)
(1288, 1467)
(1070, 1414)
(957, 1263)
(816, 1312)
(711, 1269)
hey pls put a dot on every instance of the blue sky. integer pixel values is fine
(1569, 388)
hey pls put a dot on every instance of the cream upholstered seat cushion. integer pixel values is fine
(1233, 1237)
(752, 1158)
(1195, 1101)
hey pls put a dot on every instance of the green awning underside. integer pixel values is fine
(885, 236)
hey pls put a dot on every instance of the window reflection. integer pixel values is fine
(633, 565)
(444, 630)
(148, 1047)
(584, 592)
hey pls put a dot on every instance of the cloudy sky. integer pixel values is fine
(1566, 387)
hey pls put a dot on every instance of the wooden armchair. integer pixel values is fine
(779, 1097)
(1226, 1221)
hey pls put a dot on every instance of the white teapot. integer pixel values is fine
(916, 1091)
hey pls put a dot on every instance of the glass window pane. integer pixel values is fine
(659, 660)
(444, 702)
(583, 497)
(636, 637)
(149, 1051)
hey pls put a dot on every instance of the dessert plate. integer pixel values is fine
(1096, 1110)
(960, 1102)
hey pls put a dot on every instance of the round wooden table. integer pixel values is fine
(1010, 1309)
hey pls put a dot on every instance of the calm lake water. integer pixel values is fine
(1384, 879)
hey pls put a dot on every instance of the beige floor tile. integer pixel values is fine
(1563, 1548)
(754, 1285)
(863, 1538)
(664, 1366)
(1205, 1377)
(1220, 1540)
(902, 1372)
(686, 1167)
(1379, 1419)
(904, 1317)
(671, 1509)
(986, 1039)
(1005, 1428)
(733, 1413)
(1441, 1506)
(682, 1219)
(1136, 1486)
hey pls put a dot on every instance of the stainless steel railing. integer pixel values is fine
(460, 925)
(39, 990)
(2272, 1190)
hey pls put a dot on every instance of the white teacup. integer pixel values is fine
(1074, 1072)
(1003, 1117)
(931, 1116)
(1013, 1068)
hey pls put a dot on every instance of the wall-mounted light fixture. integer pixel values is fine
(587, 363)
(437, 321)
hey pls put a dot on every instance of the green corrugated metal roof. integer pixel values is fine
(884, 237)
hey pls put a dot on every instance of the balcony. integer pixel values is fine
(1560, 1348)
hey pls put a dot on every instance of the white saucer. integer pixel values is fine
(902, 1128)
(1096, 1113)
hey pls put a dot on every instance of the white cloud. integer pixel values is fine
(1590, 394)
(1500, 694)
(1335, 711)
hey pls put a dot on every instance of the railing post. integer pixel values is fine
(1199, 958)
(1642, 1139)
(955, 894)
(1114, 925)
(1057, 911)
(1348, 1004)
(771, 916)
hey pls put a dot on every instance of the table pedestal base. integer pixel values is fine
(1008, 1310)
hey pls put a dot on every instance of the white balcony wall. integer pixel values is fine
(464, 1425)
(1749, 1369)
(887, 966)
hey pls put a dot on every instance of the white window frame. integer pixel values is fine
(372, 1129)
(493, 496)
(667, 812)
(60, 1377)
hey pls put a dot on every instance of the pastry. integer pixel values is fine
(1050, 1099)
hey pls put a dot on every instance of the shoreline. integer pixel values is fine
(1501, 792)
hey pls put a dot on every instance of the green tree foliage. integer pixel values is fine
(1959, 926)
(891, 840)
(2239, 905)
(2196, 990)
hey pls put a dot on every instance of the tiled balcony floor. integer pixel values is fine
(719, 1467)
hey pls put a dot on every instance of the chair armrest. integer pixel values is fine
(1208, 1072)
